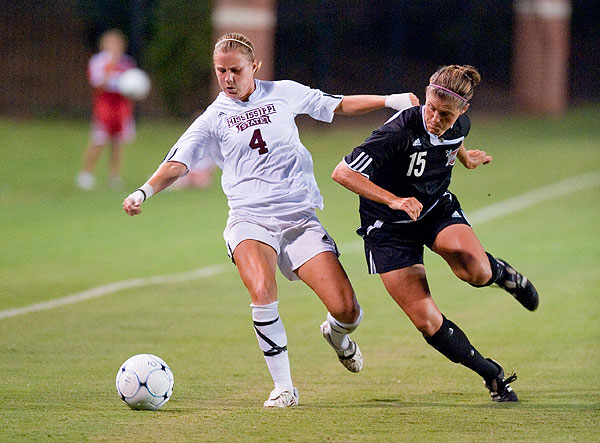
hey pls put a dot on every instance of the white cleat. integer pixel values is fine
(351, 357)
(282, 398)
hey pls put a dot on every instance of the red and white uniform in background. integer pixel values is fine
(112, 113)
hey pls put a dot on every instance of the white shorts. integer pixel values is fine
(296, 238)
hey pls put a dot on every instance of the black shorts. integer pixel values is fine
(390, 246)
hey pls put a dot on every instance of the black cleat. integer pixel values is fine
(519, 287)
(499, 387)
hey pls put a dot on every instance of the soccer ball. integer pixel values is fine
(134, 84)
(145, 381)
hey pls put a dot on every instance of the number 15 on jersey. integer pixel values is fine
(417, 164)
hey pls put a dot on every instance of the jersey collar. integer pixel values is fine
(434, 139)
(251, 97)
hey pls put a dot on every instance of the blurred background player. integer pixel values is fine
(402, 173)
(112, 113)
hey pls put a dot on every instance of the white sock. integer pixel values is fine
(339, 331)
(273, 342)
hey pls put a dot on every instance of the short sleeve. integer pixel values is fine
(314, 102)
(195, 144)
(96, 70)
(376, 150)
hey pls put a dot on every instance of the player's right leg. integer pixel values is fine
(256, 263)
(85, 178)
(99, 138)
(409, 289)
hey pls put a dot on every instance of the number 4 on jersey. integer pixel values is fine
(257, 142)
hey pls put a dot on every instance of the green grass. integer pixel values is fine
(58, 366)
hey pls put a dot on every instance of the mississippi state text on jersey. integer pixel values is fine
(266, 169)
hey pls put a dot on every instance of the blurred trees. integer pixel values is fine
(342, 46)
(179, 53)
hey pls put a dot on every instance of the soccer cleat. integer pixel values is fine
(499, 387)
(519, 287)
(282, 398)
(351, 357)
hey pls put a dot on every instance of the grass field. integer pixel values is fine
(58, 365)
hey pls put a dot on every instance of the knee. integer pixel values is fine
(472, 269)
(481, 274)
(427, 327)
(262, 292)
(347, 310)
(427, 323)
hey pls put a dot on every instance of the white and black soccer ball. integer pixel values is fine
(145, 381)
(134, 84)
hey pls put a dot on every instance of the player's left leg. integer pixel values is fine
(409, 289)
(515, 283)
(325, 275)
(461, 249)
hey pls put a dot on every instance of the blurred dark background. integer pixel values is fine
(339, 46)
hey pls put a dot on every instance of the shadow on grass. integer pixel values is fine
(523, 403)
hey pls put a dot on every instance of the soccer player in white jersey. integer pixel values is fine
(250, 133)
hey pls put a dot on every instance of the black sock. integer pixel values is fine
(452, 342)
(498, 274)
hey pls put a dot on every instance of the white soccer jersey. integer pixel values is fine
(266, 169)
(100, 65)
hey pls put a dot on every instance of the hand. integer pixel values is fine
(401, 101)
(132, 203)
(410, 205)
(476, 157)
(414, 100)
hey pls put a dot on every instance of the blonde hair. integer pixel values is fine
(455, 82)
(234, 41)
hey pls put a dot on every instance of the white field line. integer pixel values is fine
(110, 288)
(482, 215)
(549, 192)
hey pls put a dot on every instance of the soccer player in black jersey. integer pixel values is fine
(402, 173)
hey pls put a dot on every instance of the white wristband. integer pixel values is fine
(398, 101)
(146, 190)
(137, 196)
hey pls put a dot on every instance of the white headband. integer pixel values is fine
(236, 40)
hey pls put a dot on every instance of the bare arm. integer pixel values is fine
(359, 184)
(164, 176)
(361, 104)
(473, 157)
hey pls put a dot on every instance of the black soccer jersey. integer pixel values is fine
(404, 158)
